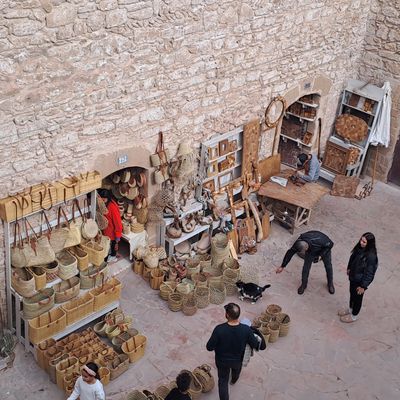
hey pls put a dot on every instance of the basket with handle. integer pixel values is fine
(195, 388)
(46, 325)
(199, 279)
(53, 365)
(78, 308)
(156, 278)
(162, 391)
(117, 341)
(189, 307)
(202, 296)
(67, 290)
(39, 275)
(23, 282)
(192, 266)
(175, 302)
(184, 288)
(107, 293)
(205, 378)
(51, 271)
(67, 265)
(273, 331)
(118, 366)
(39, 303)
(264, 330)
(70, 379)
(94, 276)
(284, 324)
(136, 395)
(166, 288)
(134, 347)
(82, 257)
(41, 349)
(68, 366)
(95, 252)
(217, 292)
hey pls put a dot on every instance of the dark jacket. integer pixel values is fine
(318, 245)
(362, 267)
(229, 342)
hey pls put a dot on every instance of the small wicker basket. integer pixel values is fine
(175, 302)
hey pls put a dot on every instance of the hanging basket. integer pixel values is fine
(175, 302)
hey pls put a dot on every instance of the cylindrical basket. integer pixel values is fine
(166, 288)
(273, 331)
(192, 266)
(195, 388)
(231, 263)
(273, 310)
(205, 378)
(156, 278)
(265, 319)
(202, 296)
(284, 324)
(189, 307)
(175, 302)
(104, 374)
(265, 332)
(138, 266)
(230, 288)
(217, 292)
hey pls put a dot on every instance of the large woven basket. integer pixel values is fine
(23, 282)
(82, 257)
(202, 296)
(118, 366)
(273, 331)
(46, 325)
(166, 288)
(217, 292)
(134, 347)
(66, 290)
(79, 308)
(67, 265)
(184, 289)
(94, 276)
(264, 330)
(39, 275)
(118, 341)
(95, 252)
(175, 302)
(205, 378)
(273, 310)
(156, 278)
(107, 293)
(284, 324)
(230, 275)
(195, 388)
(265, 319)
(189, 307)
(39, 303)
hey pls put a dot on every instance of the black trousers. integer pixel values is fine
(224, 370)
(355, 299)
(308, 260)
(112, 252)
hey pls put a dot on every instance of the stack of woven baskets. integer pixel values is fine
(273, 323)
(202, 382)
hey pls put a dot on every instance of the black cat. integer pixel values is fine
(250, 291)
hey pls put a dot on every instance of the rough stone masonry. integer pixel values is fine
(81, 76)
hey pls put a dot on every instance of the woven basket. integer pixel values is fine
(65, 367)
(106, 294)
(39, 275)
(265, 319)
(219, 249)
(264, 330)
(138, 266)
(273, 310)
(136, 227)
(141, 215)
(79, 308)
(184, 288)
(123, 337)
(67, 265)
(70, 379)
(82, 257)
(51, 271)
(192, 266)
(94, 276)
(100, 328)
(160, 251)
(230, 288)
(156, 278)
(95, 252)
(195, 388)
(256, 322)
(205, 378)
(166, 288)
(151, 259)
(134, 347)
(215, 279)
(162, 391)
(146, 273)
(284, 324)
(202, 296)
(39, 303)
(47, 325)
(136, 395)
(199, 279)
(230, 275)
(217, 292)
(231, 263)
(273, 331)
(40, 352)
(67, 290)
(175, 302)
(104, 374)
(189, 307)
(23, 282)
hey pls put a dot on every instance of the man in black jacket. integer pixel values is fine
(229, 341)
(311, 246)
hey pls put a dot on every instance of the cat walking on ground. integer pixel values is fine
(250, 291)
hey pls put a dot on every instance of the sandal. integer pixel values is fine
(347, 318)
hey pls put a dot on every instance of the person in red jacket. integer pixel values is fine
(114, 227)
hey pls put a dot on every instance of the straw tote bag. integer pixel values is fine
(23, 282)
(18, 259)
(67, 265)
(39, 303)
(58, 234)
(74, 235)
(67, 290)
(89, 228)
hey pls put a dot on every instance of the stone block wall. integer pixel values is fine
(381, 62)
(80, 77)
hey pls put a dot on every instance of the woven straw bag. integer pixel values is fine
(138, 266)
(204, 376)
(67, 265)
(134, 347)
(39, 303)
(94, 276)
(117, 341)
(67, 289)
(51, 271)
(202, 296)
(284, 324)
(39, 275)
(273, 331)
(41, 349)
(230, 275)
(118, 366)
(230, 263)
(82, 257)
(65, 367)
(156, 278)
(95, 252)
(230, 288)
(195, 388)
(23, 282)
(184, 288)
(89, 227)
(151, 259)
(217, 292)
(189, 307)
(166, 288)
(273, 310)
(175, 302)
(199, 279)
(162, 391)
(59, 234)
(192, 266)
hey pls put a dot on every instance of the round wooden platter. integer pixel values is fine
(351, 127)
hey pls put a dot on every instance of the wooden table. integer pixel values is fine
(292, 204)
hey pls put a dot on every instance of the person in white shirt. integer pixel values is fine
(88, 385)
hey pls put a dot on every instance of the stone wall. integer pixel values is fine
(380, 63)
(80, 77)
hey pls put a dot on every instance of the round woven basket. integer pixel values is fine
(146, 273)
(189, 306)
(162, 391)
(230, 275)
(205, 378)
(192, 266)
(231, 263)
(136, 395)
(156, 278)
(202, 296)
(264, 330)
(265, 319)
(199, 279)
(256, 322)
(184, 289)
(217, 292)
(166, 288)
(273, 310)
(175, 302)
(273, 331)
(284, 324)
(230, 288)
(195, 386)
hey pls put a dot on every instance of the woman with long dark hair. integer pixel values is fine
(361, 270)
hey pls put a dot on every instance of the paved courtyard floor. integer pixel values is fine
(320, 359)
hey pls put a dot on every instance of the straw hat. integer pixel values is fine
(126, 175)
(116, 178)
(131, 193)
(184, 149)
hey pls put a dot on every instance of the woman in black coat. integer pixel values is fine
(361, 270)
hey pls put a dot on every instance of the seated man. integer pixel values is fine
(310, 164)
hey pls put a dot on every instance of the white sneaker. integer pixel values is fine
(112, 259)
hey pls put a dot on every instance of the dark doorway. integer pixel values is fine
(394, 173)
